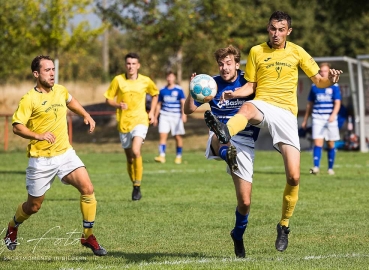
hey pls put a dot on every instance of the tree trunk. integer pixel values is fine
(179, 65)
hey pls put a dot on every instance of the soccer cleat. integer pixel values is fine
(160, 159)
(282, 237)
(220, 129)
(231, 158)
(330, 172)
(92, 243)
(178, 160)
(314, 170)
(136, 193)
(11, 238)
(239, 248)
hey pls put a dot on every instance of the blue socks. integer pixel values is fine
(223, 152)
(179, 151)
(240, 226)
(162, 148)
(331, 156)
(317, 153)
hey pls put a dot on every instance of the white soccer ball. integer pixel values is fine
(203, 88)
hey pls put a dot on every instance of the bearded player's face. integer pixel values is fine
(228, 68)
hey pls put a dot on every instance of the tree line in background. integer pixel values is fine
(180, 35)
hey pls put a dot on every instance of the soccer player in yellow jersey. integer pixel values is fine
(41, 118)
(272, 74)
(127, 93)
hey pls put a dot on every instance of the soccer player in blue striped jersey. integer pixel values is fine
(240, 150)
(323, 105)
(171, 119)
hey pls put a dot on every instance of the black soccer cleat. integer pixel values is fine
(281, 242)
(231, 158)
(136, 193)
(220, 129)
(239, 248)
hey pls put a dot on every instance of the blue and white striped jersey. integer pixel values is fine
(323, 100)
(224, 111)
(171, 100)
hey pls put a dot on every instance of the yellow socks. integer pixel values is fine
(19, 217)
(236, 124)
(290, 197)
(88, 209)
(138, 170)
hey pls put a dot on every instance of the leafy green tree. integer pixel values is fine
(17, 39)
(44, 27)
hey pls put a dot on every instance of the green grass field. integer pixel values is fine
(186, 213)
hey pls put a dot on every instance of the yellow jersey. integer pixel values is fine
(133, 93)
(42, 112)
(276, 73)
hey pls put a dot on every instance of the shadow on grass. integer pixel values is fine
(13, 172)
(64, 199)
(154, 257)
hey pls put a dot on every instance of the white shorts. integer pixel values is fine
(245, 158)
(282, 124)
(138, 131)
(322, 129)
(171, 123)
(41, 171)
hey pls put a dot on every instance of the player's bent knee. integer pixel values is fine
(293, 180)
(31, 208)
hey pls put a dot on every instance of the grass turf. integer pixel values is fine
(186, 213)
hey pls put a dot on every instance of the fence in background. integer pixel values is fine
(70, 116)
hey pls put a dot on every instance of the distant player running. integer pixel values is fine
(41, 118)
(323, 105)
(272, 74)
(127, 94)
(240, 155)
(170, 107)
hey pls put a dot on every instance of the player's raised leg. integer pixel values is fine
(291, 158)
(220, 129)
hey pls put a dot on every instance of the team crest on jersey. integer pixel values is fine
(329, 91)
(174, 94)
(279, 70)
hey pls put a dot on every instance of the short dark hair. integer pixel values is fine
(169, 72)
(35, 65)
(280, 16)
(222, 53)
(132, 55)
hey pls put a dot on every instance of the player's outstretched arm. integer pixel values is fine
(77, 108)
(323, 82)
(248, 89)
